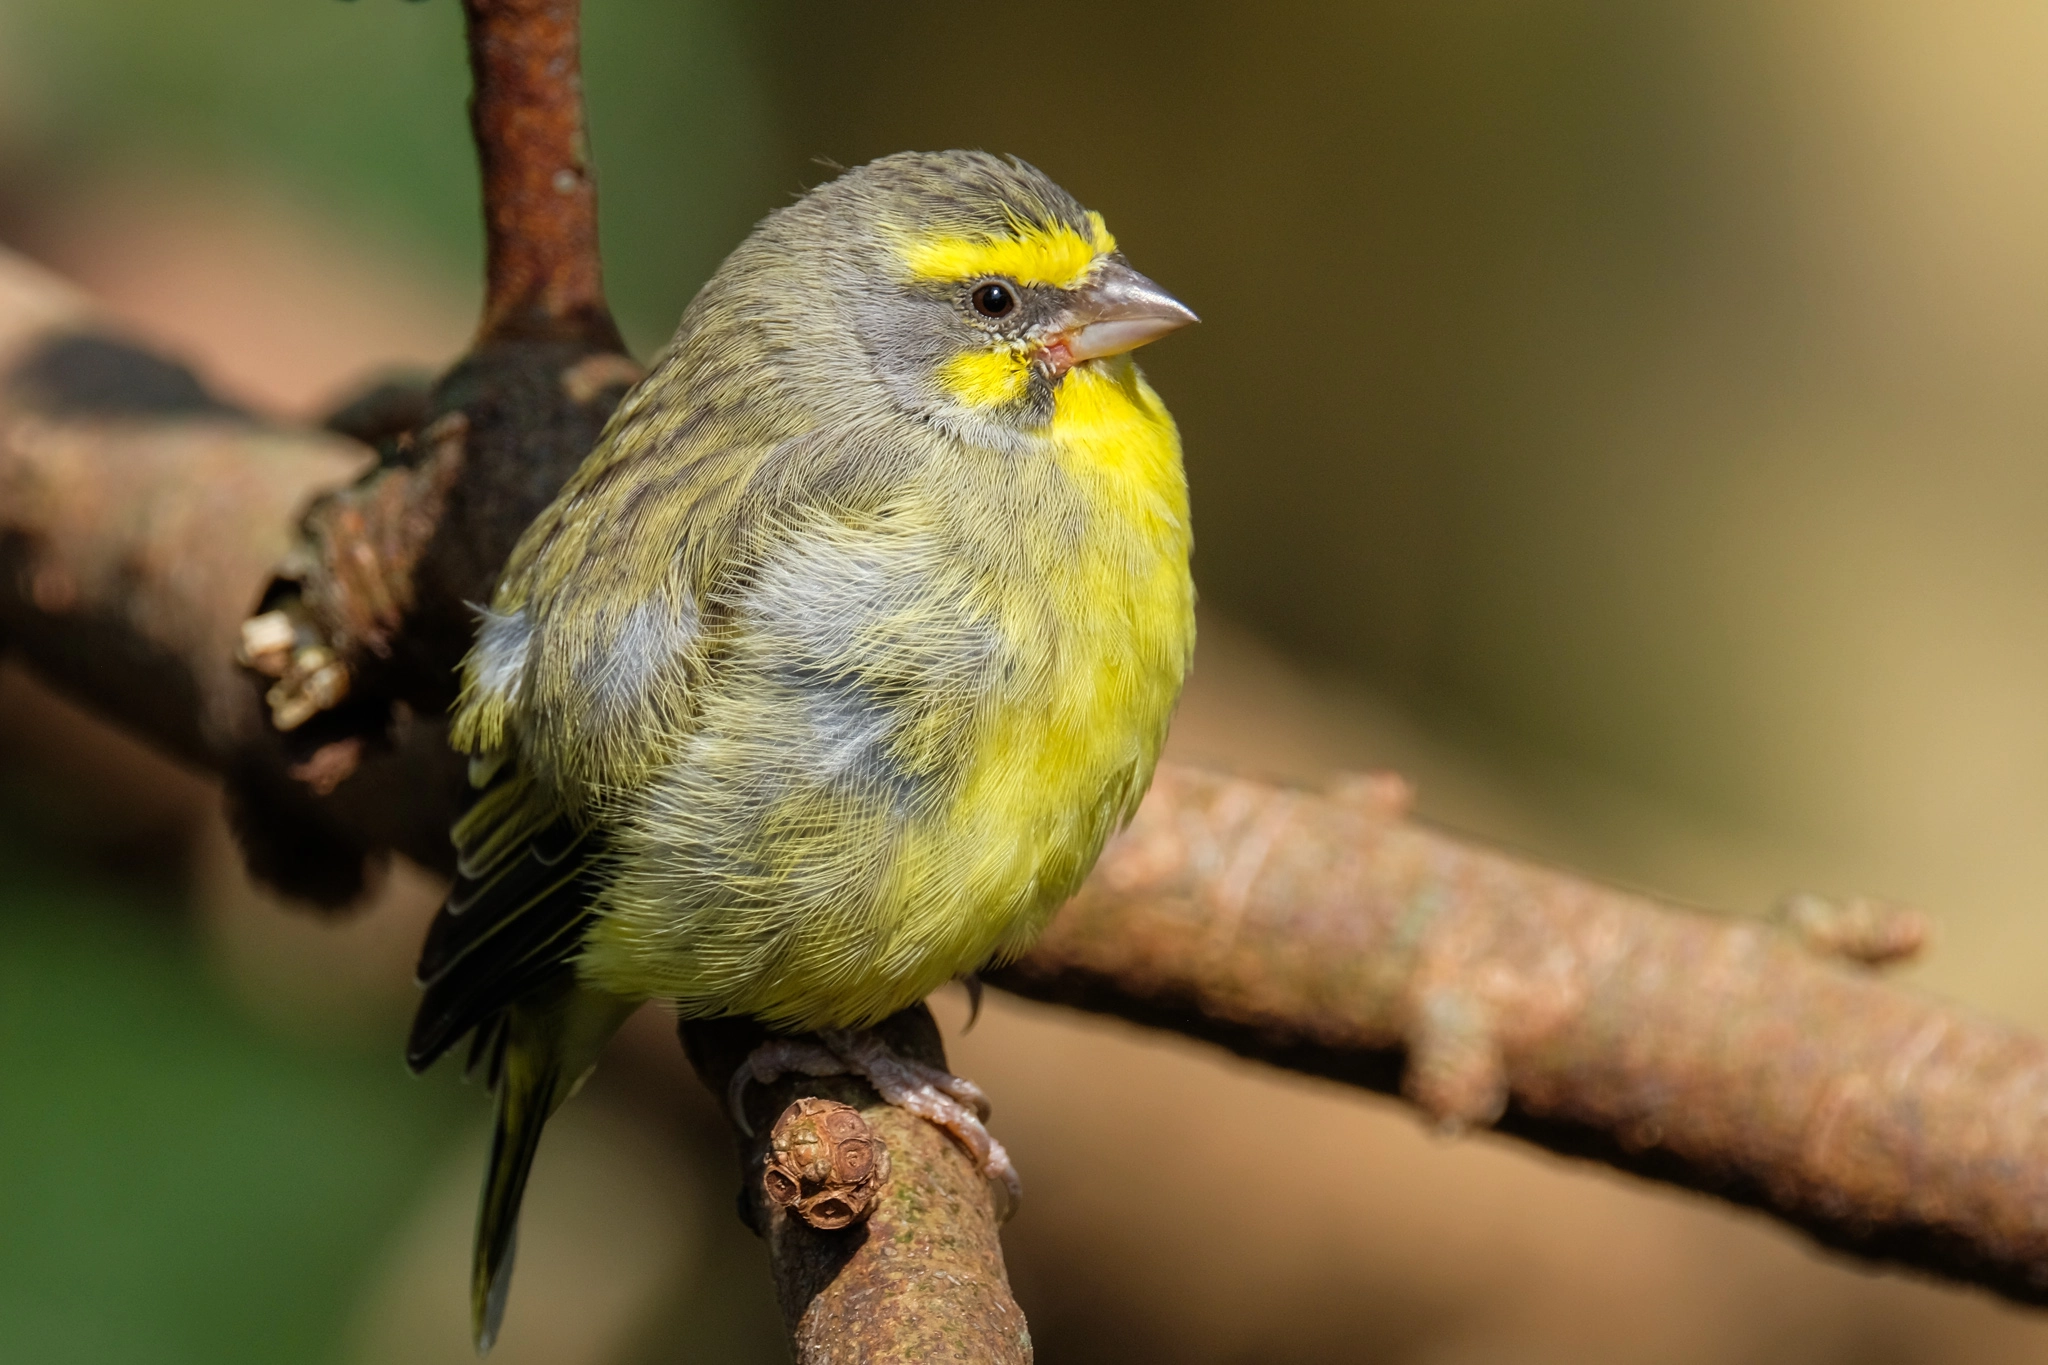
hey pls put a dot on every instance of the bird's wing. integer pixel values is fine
(525, 876)
(559, 698)
(579, 685)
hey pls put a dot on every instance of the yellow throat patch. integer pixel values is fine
(987, 379)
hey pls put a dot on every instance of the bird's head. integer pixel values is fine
(970, 285)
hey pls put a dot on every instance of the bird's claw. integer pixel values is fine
(774, 1059)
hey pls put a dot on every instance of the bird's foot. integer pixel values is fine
(953, 1103)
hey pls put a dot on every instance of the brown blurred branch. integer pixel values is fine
(138, 515)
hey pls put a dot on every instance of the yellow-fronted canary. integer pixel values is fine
(824, 679)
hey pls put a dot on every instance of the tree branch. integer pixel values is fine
(543, 279)
(369, 609)
(138, 518)
(1327, 935)
(921, 1277)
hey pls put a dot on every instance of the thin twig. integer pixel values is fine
(543, 279)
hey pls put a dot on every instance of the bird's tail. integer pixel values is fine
(547, 1050)
(525, 1100)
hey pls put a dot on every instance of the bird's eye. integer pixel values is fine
(994, 299)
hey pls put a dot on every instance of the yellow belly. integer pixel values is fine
(1063, 761)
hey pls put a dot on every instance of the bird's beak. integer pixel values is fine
(1117, 311)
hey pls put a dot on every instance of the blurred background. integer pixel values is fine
(1627, 420)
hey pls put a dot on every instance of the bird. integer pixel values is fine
(826, 676)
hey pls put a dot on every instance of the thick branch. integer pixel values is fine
(138, 518)
(1329, 936)
(1320, 932)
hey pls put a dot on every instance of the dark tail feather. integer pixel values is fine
(538, 1053)
(527, 1094)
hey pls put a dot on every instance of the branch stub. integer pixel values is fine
(825, 1164)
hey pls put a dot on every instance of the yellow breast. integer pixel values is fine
(766, 875)
(1102, 625)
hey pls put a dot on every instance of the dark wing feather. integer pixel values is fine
(514, 920)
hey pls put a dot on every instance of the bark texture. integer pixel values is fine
(1329, 935)
(543, 279)
(920, 1277)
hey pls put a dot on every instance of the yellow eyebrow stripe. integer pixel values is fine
(1056, 256)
